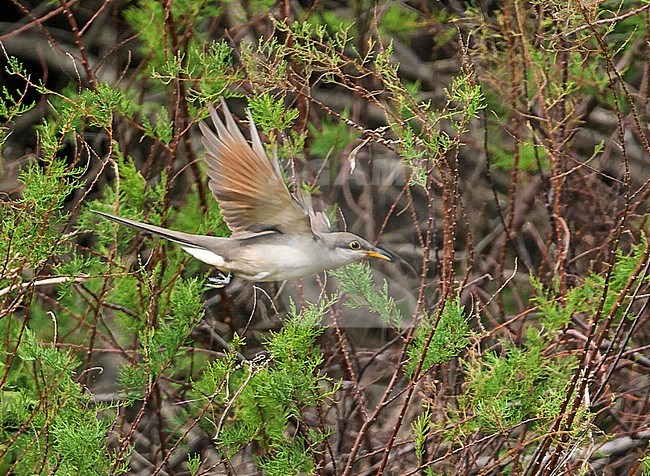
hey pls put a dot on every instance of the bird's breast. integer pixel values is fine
(282, 257)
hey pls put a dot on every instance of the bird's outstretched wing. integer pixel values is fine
(319, 222)
(248, 186)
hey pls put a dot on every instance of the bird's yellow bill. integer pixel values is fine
(377, 253)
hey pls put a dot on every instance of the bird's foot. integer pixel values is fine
(219, 281)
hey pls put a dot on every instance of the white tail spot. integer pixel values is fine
(206, 256)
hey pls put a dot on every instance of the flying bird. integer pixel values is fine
(276, 235)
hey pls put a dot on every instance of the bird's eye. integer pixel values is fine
(355, 245)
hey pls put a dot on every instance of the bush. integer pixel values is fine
(499, 152)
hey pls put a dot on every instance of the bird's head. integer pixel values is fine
(350, 247)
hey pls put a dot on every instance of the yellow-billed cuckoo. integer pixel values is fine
(275, 235)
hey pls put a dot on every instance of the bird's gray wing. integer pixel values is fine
(320, 224)
(248, 186)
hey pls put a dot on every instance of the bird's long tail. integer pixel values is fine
(184, 239)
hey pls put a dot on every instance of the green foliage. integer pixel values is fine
(73, 111)
(270, 113)
(268, 72)
(218, 373)
(333, 137)
(132, 379)
(130, 193)
(45, 189)
(530, 156)
(314, 46)
(185, 311)
(435, 346)
(412, 155)
(163, 345)
(192, 218)
(645, 465)
(467, 99)
(146, 305)
(51, 424)
(421, 427)
(12, 105)
(324, 54)
(31, 222)
(209, 66)
(93, 107)
(555, 315)
(398, 20)
(213, 65)
(289, 459)
(422, 140)
(148, 19)
(162, 128)
(149, 307)
(519, 384)
(78, 265)
(332, 22)
(624, 269)
(526, 383)
(357, 285)
(262, 399)
(41, 392)
(193, 463)
(193, 62)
